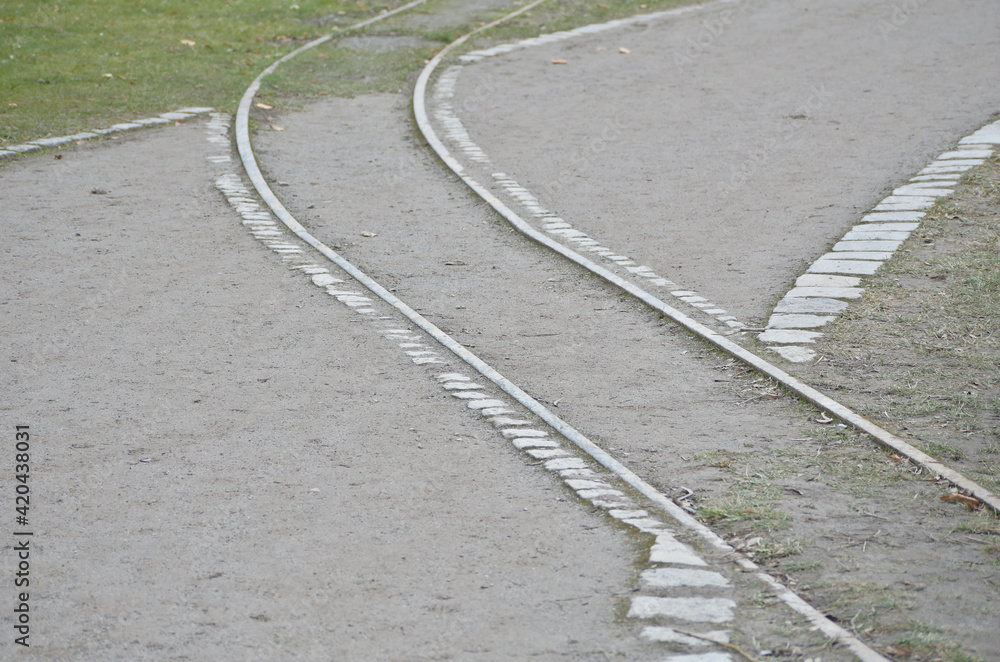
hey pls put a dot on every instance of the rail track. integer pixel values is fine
(679, 542)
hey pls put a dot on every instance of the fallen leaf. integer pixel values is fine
(368, 234)
(12, 105)
(602, 48)
(559, 62)
(188, 42)
(275, 127)
(263, 105)
(823, 418)
(108, 75)
(970, 502)
(622, 49)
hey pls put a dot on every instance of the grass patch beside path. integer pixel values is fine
(74, 65)
(71, 65)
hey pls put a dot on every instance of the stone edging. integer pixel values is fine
(834, 279)
(10, 151)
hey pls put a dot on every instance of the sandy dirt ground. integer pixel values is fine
(229, 464)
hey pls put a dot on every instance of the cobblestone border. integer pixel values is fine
(835, 279)
(10, 151)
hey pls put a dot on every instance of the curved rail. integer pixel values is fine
(821, 622)
(793, 384)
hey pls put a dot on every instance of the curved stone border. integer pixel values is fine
(456, 134)
(11, 151)
(835, 279)
(793, 384)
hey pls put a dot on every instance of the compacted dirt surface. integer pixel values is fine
(229, 464)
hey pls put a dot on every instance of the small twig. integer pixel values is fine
(735, 649)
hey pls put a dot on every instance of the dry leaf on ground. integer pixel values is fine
(970, 502)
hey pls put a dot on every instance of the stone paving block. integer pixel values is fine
(882, 216)
(789, 336)
(701, 657)
(891, 227)
(53, 142)
(907, 199)
(795, 353)
(7, 154)
(917, 190)
(672, 577)
(669, 635)
(955, 162)
(936, 170)
(825, 280)
(24, 149)
(152, 121)
(698, 610)
(928, 178)
(867, 246)
(967, 154)
(882, 256)
(810, 305)
(866, 267)
(828, 292)
(798, 321)
(858, 234)
(917, 204)
(940, 182)
(668, 549)
(988, 135)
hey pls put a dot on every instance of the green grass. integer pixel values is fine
(72, 65)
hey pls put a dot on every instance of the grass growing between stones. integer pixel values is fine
(920, 353)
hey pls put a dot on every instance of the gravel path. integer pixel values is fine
(230, 464)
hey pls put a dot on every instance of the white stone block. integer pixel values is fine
(867, 246)
(795, 353)
(565, 463)
(858, 234)
(798, 321)
(915, 205)
(789, 336)
(670, 636)
(882, 216)
(830, 292)
(535, 442)
(881, 256)
(915, 190)
(825, 280)
(810, 305)
(908, 199)
(668, 549)
(967, 154)
(866, 267)
(673, 577)
(698, 610)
